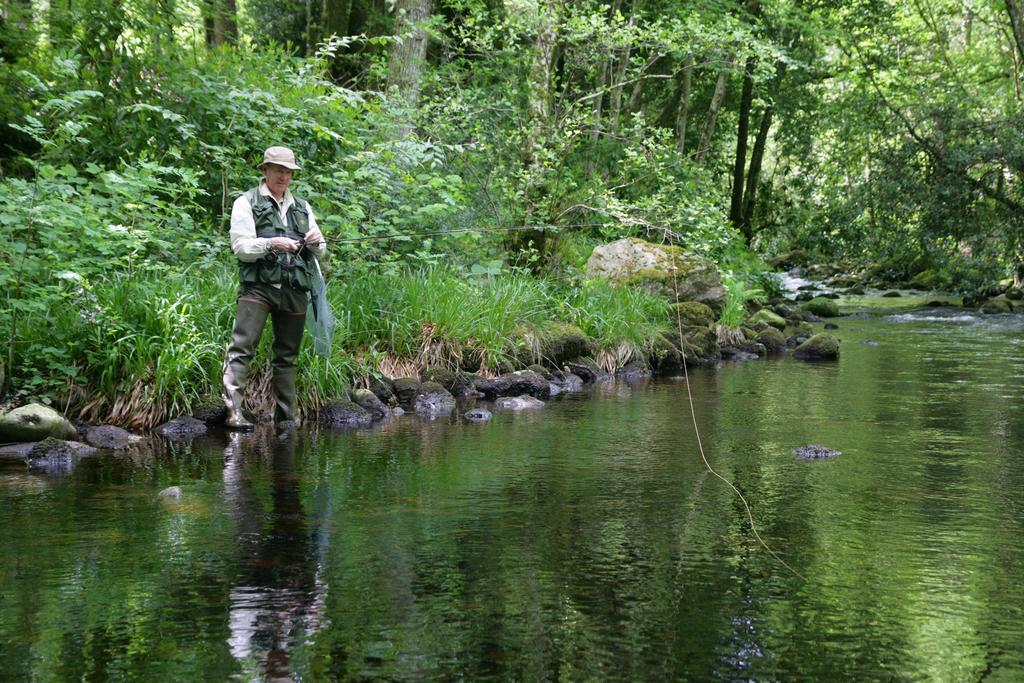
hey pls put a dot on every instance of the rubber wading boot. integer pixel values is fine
(250, 319)
(287, 341)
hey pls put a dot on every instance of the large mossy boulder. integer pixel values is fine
(692, 314)
(527, 382)
(818, 347)
(767, 317)
(665, 270)
(822, 306)
(771, 338)
(559, 342)
(998, 305)
(35, 422)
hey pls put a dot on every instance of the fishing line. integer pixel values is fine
(679, 327)
(700, 445)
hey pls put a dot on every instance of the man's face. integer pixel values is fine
(278, 178)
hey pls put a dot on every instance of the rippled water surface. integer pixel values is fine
(580, 542)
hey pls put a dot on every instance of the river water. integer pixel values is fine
(583, 541)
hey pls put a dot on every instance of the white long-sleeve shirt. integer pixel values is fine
(244, 242)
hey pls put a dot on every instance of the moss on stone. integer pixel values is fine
(768, 317)
(818, 347)
(693, 314)
(826, 308)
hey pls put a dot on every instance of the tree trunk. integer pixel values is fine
(742, 133)
(603, 70)
(539, 117)
(683, 109)
(754, 173)
(409, 53)
(710, 121)
(1016, 14)
(335, 14)
(220, 21)
(621, 66)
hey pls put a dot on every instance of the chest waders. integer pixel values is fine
(275, 286)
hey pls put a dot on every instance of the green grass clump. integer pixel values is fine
(623, 321)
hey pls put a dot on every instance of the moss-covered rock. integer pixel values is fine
(798, 329)
(552, 345)
(693, 314)
(366, 399)
(768, 317)
(432, 399)
(772, 339)
(892, 294)
(338, 414)
(405, 389)
(35, 422)
(455, 381)
(819, 347)
(586, 369)
(665, 270)
(824, 307)
(997, 305)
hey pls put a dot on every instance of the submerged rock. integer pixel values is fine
(339, 414)
(16, 451)
(587, 370)
(819, 347)
(565, 383)
(477, 415)
(108, 436)
(171, 493)
(181, 428)
(35, 422)
(815, 452)
(433, 399)
(57, 457)
(519, 403)
(634, 372)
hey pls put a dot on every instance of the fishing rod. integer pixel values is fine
(455, 231)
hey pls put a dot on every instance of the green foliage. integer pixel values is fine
(624, 320)
(738, 294)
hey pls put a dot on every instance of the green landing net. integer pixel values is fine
(319, 316)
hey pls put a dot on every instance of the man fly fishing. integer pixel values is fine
(277, 241)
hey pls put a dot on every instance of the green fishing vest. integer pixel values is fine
(277, 267)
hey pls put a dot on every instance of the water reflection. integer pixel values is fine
(277, 601)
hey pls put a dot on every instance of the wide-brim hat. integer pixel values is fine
(282, 156)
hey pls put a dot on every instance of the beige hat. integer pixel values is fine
(282, 156)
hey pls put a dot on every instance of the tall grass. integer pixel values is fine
(146, 348)
(623, 321)
(435, 316)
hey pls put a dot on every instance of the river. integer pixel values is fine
(583, 541)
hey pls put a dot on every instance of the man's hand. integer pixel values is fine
(314, 237)
(284, 244)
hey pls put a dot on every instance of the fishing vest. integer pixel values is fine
(277, 268)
